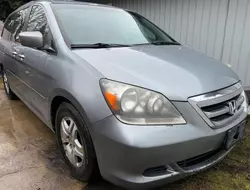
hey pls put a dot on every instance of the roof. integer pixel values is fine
(64, 2)
(72, 2)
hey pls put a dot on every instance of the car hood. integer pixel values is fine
(178, 72)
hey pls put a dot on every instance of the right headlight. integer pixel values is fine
(134, 105)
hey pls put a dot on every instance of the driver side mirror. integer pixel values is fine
(32, 39)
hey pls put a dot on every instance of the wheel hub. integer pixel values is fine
(72, 142)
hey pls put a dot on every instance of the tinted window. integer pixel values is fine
(14, 25)
(38, 22)
(84, 24)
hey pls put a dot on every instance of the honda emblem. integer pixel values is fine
(232, 107)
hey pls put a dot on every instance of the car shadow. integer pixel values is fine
(101, 184)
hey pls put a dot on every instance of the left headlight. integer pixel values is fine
(134, 105)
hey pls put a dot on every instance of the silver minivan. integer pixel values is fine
(123, 97)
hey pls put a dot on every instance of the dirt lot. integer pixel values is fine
(29, 158)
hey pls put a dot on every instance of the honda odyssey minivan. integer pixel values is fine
(123, 97)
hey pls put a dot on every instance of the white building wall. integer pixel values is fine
(219, 28)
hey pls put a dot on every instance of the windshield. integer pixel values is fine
(87, 24)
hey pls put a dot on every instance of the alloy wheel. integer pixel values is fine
(72, 142)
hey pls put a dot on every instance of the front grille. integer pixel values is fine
(219, 113)
(220, 108)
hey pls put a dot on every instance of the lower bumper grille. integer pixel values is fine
(198, 159)
(156, 171)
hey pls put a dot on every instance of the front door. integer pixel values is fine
(12, 28)
(33, 65)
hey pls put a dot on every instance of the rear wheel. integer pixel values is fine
(11, 95)
(75, 143)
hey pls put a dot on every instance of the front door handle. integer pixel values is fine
(14, 53)
(21, 56)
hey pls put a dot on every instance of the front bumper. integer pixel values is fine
(149, 156)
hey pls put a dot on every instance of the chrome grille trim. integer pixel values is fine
(229, 120)
(240, 101)
(217, 112)
(218, 96)
(224, 109)
(214, 106)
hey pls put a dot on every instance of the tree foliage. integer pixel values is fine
(8, 6)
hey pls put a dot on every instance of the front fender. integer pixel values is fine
(92, 108)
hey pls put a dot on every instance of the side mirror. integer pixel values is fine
(31, 39)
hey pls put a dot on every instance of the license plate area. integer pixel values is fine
(234, 135)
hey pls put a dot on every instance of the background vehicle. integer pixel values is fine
(122, 94)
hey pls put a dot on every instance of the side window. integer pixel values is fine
(8, 28)
(14, 25)
(38, 22)
(19, 23)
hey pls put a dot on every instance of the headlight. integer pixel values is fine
(245, 103)
(134, 105)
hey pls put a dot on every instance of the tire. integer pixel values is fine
(11, 95)
(89, 167)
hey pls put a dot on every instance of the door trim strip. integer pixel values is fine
(43, 97)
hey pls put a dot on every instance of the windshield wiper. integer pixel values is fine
(158, 43)
(97, 45)
(165, 43)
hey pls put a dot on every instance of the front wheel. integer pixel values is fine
(75, 143)
(11, 95)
